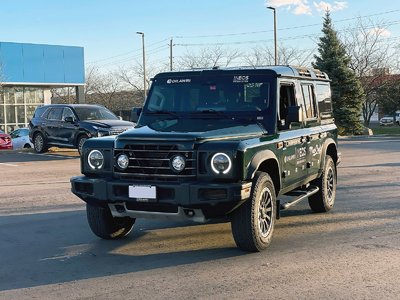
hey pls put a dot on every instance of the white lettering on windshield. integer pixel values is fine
(172, 81)
(241, 78)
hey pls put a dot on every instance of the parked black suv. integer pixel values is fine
(242, 143)
(69, 126)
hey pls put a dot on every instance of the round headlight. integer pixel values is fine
(95, 159)
(178, 163)
(123, 161)
(221, 163)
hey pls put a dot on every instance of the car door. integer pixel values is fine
(53, 124)
(16, 139)
(293, 142)
(314, 136)
(68, 130)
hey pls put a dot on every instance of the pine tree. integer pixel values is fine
(347, 92)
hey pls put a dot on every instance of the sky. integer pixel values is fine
(107, 29)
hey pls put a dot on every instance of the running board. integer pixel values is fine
(299, 195)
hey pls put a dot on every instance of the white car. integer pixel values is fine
(386, 121)
(20, 138)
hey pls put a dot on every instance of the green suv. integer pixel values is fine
(241, 143)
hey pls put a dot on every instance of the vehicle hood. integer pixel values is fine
(232, 132)
(108, 123)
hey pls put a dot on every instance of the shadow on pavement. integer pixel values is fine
(50, 248)
(31, 156)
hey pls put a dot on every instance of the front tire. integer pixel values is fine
(81, 140)
(104, 225)
(39, 143)
(253, 222)
(324, 199)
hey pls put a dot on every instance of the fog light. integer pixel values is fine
(178, 163)
(123, 161)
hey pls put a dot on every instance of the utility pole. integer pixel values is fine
(144, 66)
(275, 38)
(170, 54)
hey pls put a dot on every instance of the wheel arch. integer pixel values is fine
(266, 161)
(331, 150)
(79, 134)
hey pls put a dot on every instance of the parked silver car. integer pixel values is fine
(20, 138)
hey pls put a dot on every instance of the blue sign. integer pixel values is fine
(41, 64)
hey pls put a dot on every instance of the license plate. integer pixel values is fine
(143, 193)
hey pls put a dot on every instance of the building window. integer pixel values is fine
(17, 105)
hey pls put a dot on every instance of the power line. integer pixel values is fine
(280, 29)
(126, 53)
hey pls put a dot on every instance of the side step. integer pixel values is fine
(298, 196)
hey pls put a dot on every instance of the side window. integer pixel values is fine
(309, 100)
(55, 114)
(15, 134)
(286, 99)
(323, 92)
(67, 112)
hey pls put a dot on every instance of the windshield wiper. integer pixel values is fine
(212, 111)
(162, 112)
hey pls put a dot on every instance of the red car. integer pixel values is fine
(5, 141)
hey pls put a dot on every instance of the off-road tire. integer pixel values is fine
(104, 225)
(81, 140)
(324, 199)
(252, 225)
(39, 143)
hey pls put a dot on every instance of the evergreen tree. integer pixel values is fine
(347, 92)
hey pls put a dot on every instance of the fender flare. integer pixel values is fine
(258, 159)
(328, 142)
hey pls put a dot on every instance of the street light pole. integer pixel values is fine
(275, 38)
(144, 65)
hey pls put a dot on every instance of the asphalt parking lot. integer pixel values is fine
(47, 250)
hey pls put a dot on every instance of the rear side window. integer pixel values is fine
(39, 112)
(309, 101)
(324, 100)
(55, 114)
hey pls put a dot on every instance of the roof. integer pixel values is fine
(278, 71)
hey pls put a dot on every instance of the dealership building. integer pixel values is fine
(28, 72)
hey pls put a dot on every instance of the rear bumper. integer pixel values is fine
(173, 199)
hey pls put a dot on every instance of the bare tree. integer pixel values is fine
(371, 59)
(131, 77)
(264, 55)
(104, 88)
(208, 58)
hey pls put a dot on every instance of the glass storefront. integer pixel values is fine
(17, 105)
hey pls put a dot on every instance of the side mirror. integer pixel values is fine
(69, 120)
(135, 114)
(294, 115)
(119, 117)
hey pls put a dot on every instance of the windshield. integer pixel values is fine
(218, 95)
(94, 113)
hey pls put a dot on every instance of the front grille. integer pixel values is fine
(153, 162)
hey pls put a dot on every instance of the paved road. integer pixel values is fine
(48, 251)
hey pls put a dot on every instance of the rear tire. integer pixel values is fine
(39, 143)
(324, 199)
(253, 222)
(104, 225)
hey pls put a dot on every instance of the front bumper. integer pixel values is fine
(173, 198)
